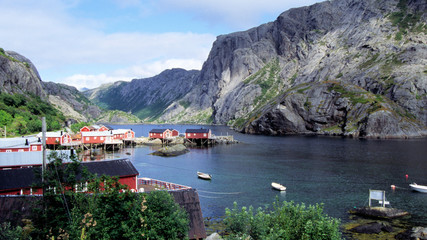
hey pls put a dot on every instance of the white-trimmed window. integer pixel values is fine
(8, 150)
(33, 148)
(87, 138)
(204, 134)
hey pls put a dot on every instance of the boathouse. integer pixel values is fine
(56, 138)
(175, 133)
(160, 133)
(123, 134)
(29, 144)
(23, 181)
(200, 136)
(200, 133)
(96, 137)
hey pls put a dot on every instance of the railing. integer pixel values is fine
(161, 184)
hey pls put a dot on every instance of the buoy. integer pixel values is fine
(393, 187)
(406, 177)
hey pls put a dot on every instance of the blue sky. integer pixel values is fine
(86, 43)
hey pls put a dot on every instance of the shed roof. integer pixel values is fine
(158, 130)
(199, 130)
(24, 177)
(97, 134)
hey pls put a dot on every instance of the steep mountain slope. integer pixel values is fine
(348, 67)
(18, 74)
(145, 98)
(71, 102)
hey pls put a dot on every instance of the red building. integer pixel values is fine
(160, 133)
(32, 147)
(198, 133)
(123, 134)
(21, 181)
(94, 128)
(175, 133)
(56, 138)
(96, 137)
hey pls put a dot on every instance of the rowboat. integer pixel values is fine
(278, 186)
(204, 176)
(418, 188)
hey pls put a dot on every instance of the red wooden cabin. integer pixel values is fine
(96, 137)
(123, 134)
(160, 133)
(32, 147)
(56, 138)
(175, 133)
(200, 133)
(21, 181)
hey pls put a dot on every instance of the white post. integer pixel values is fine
(5, 132)
(44, 146)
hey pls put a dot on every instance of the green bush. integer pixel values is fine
(285, 220)
(107, 213)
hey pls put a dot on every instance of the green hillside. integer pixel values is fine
(21, 114)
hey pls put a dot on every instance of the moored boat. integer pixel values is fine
(418, 188)
(278, 186)
(204, 176)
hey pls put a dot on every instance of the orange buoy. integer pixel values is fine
(393, 187)
(406, 177)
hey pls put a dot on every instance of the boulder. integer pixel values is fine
(171, 151)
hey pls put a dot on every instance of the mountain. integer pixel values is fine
(71, 102)
(19, 75)
(146, 98)
(343, 67)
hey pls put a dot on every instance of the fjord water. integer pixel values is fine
(337, 172)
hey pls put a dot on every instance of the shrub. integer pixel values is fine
(285, 220)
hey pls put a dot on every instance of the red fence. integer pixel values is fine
(161, 184)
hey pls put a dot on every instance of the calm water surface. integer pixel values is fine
(335, 171)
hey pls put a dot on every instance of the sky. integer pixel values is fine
(86, 43)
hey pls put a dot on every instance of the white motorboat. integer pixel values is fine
(418, 188)
(204, 176)
(278, 186)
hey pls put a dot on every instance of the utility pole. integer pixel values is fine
(44, 148)
(5, 132)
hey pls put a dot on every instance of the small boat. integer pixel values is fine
(418, 188)
(204, 176)
(278, 186)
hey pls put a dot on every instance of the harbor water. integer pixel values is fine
(337, 172)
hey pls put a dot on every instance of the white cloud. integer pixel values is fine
(132, 72)
(55, 41)
(241, 14)
(76, 50)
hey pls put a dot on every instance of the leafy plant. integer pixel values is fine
(285, 220)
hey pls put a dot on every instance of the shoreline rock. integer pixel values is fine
(171, 151)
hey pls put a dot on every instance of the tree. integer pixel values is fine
(5, 118)
(110, 211)
(284, 221)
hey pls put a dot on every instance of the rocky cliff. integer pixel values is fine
(71, 102)
(146, 98)
(346, 67)
(18, 74)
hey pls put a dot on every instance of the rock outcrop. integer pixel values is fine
(342, 67)
(348, 67)
(72, 103)
(18, 75)
(145, 98)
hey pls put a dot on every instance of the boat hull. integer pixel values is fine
(278, 187)
(418, 188)
(204, 176)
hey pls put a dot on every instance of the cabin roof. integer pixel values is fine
(158, 130)
(96, 134)
(199, 130)
(24, 177)
(16, 142)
